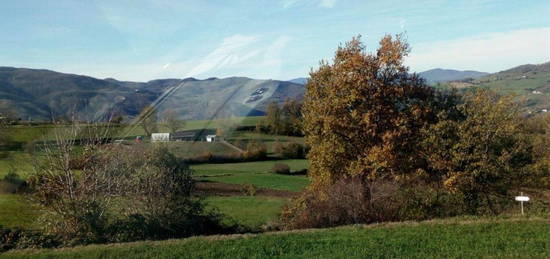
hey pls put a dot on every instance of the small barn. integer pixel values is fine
(211, 138)
(160, 137)
(190, 135)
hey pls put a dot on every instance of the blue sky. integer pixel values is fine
(142, 40)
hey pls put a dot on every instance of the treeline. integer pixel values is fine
(284, 120)
(385, 146)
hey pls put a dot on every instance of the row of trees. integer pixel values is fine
(149, 120)
(284, 120)
(380, 135)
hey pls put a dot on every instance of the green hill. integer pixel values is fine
(530, 82)
(449, 238)
(442, 75)
(43, 94)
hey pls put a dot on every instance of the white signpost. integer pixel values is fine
(522, 199)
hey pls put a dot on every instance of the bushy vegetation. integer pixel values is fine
(280, 168)
(285, 120)
(255, 151)
(290, 150)
(115, 193)
(386, 147)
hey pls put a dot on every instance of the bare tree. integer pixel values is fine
(172, 121)
(148, 120)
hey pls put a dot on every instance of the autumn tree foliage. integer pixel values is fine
(482, 151)
(284, 120)
(363, 114)
(385, 146)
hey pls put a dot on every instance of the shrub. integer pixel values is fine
(280, 168)
(4, 155)
(300, 172)
(292, 150)
(30, 147)
(239, 143)
(249, 189)
(11, 238)
(278, 147)
(206, 156)
(11, 183)
(13, 177)
(121, 194)
(255, 151)
(353, 201)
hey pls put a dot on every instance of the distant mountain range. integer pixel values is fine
(43, 94)
(432, 76)
(38, 94)
(299, 80)
(439, 75)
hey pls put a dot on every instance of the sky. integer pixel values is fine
(141, 40)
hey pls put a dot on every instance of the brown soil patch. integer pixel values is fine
(228, 189)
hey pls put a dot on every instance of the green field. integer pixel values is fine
(256, 173)
(450, 238)
(15, 211)
(24, 133)
(252, 212)
(16, 161)
(249, 211)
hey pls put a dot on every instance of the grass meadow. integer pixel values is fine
(256, 173)
(448, 238)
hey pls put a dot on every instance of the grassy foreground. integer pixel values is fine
(450, 238)
(251, 211)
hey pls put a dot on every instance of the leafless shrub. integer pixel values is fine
(352, 201)
(94, 191)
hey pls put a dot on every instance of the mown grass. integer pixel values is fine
(251, 211)
(256, 173)
(454, 238)
(16, 211)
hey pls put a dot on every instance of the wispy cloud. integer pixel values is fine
(327, 3)
(319, 3)
(233, 50)
(489, 53)
(288, 3)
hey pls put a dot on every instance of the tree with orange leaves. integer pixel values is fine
(363, 114)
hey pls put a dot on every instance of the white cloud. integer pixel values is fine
(327, 3)
(319, 3)
(489, 53)
(288, 3)
(237, 55)
(233, 50)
